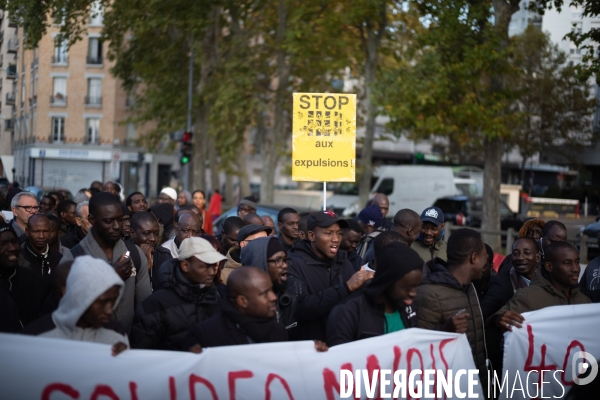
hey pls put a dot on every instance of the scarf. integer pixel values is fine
(258, 330)
(517, 281)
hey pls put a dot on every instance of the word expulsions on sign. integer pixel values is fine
(324, 137)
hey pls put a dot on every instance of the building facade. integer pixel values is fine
(70, 119)
(8, 72)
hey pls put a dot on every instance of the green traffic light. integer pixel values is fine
(185, 160)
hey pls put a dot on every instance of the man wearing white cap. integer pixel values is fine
(186, 297)
(167, 195)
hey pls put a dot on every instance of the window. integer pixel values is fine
(94, 92)
(92, 130)
(94, 51)
(59, 94)
(60, 52)
(96, 14)
(58, 129)
(386, 186)
(130, 134)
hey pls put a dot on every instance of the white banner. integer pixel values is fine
(43, 368)
(549, 341)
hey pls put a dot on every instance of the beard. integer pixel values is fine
(279, 288)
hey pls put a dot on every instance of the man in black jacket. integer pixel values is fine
(320, 275)
(384, 306)
(145, 233)
(35, 252)
(23, 285)
(187, 297)
(269, 255)
(247, 316)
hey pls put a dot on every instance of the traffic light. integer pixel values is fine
(186, 148)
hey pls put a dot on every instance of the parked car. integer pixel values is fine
(592, 231)
(263, 209)
(40, 192)
(467, 211)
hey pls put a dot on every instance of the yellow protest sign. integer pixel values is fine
(324, 137)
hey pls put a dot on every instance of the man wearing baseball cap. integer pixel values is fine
(186, 297)
(431, 244)
(320, 274)
(245, 235)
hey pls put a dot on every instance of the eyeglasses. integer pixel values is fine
(29, 208)
(279, 262)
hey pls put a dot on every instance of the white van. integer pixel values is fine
(407, 186)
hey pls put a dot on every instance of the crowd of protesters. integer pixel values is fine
(130, 275)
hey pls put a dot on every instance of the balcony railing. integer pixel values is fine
(94, 60)
(93, 101)
(61, 59)
(58, 100)
(10, 98)
(11, 72)
(92, 140)
(34, 63)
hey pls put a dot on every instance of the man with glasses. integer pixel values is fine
(268, 254)
(23, 206)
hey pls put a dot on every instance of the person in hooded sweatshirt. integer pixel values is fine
(447, 299)
(385, 304)
(320, 275)
(269, 254)
(84, 313)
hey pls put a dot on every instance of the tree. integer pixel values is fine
(555, 107)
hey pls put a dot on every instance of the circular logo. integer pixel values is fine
(584, 368)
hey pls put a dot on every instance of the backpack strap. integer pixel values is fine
(134, 253)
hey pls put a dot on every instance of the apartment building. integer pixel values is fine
(69, 119)
(8, 72)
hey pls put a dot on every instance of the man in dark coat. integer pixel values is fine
(287, 221)
(590, 281)
(385, 304)
(270, 255)
(35, 251)
(320, 275)
(145, 233)
(73, 238)
(247, 316)
(23, 285)
(187, 297)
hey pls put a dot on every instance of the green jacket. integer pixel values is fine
(428, 253)
(539, 294)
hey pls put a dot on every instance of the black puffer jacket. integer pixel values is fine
(319, 285)
(164, 319)
(441, 296)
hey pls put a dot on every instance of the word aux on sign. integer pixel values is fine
(324, 137)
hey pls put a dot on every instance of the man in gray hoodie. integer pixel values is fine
(104, 241)
(92, 294)
(268, 254)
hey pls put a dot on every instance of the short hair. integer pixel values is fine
(536, 246)
(34, 216)
(58, 194)
(240, 280)
(128, 199)
(385, 238)
(303, 224)
(462, 243)
(232, 224)
(140, 217)
(198, 191)
(180, 212)
(64, 205)
(189, 207)
(115, 184)
(53, 219)
(551, 224)
(252, 218)
(80, 208)
(353, 226)
(284, 211)
(15, 200)
(551, 251)
(94, 190)
(102, 199)
(96, 183)
(406, 218)
(51, 199)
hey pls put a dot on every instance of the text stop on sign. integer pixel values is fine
(324, 137)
